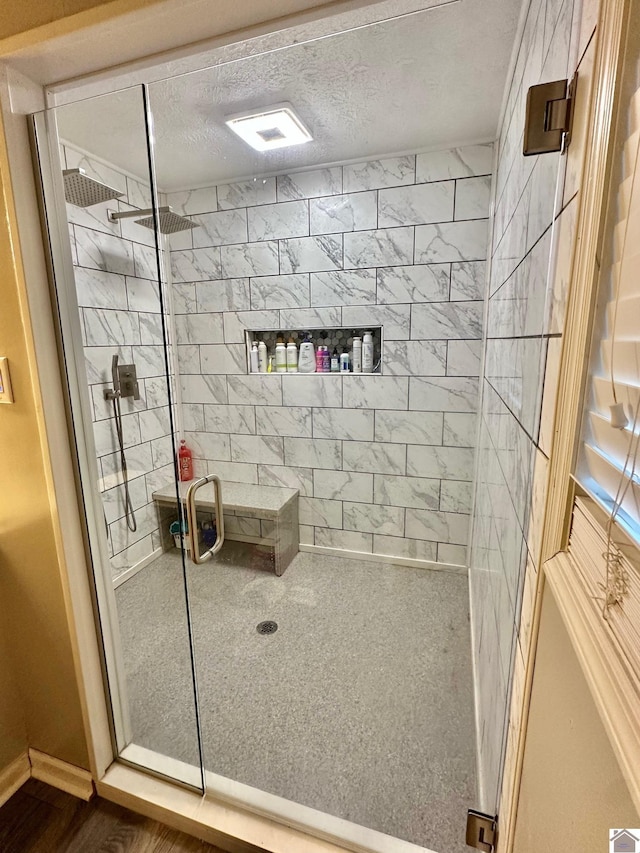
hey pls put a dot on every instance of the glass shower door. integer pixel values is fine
(106, 233)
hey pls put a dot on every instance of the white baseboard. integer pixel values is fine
(129, 573)
(14, 776)
(60, 774)
(384, 558)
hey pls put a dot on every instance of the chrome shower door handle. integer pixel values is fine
(192, 523)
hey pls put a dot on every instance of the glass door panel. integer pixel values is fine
(110, 259)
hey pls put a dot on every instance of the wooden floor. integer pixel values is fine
(41, 819)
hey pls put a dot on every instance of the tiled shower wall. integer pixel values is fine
(535, 207)
(383, 463)
(115, 276)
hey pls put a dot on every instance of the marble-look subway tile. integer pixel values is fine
(395, 319)
(189, 358)
(456, 496)
(98, 289)
(414, 358)
(319, 512)
(311, 254)
(411, 549)
(280, 291)
(191, 202)
(454, 163)
(255, 390)
(391, 172)
(209, 445)
(310, 184)
(230, 294)
(343, 287)
(196, 265)
(418, 492)
(347, 540)
(154, 423)
(374, 457)
(237, 419)
(236, 322)
(309, 318)
(143, 295)
(455, 555)
(373, 518)
(313, 453)
(288, 477)
(277, 221)
(184, 298)
(249, 259)
(236, 472)
(199, 328)
(223, 358)
(312, 390)
(463, 358)
(343, 485)
(353, 424)
(448, 394)
(247, 193)
(264, 449)
(110, 328)
(436, 526)
(473, 196)
(376, 392)
(219, 228)
(379, 248)
(409, 427)
(451, 241)
(468, 281)
(460, 429)
(193, 417)
(287, 420)
(445, 463)
(341, 213)
(203, 389)
(416, 205)
(149, 361)
(100, 251)
(419, 283)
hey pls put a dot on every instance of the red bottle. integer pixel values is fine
(185, 462)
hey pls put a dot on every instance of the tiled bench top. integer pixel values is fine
(261, 501)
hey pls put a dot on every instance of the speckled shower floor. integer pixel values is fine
(360, 705)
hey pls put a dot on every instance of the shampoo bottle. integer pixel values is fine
(292, 357)
(335, 360)
(307, 357)
(344, 361)
(320, 359)
(254, 357)
(281, 356)
(367, 353)
(356, 359)
(262, 357)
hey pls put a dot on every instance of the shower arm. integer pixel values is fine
(130, 214)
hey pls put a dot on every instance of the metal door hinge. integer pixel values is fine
(549, 117)
(482, 830)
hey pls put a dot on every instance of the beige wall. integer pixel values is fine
(13, 734)
(572, 789)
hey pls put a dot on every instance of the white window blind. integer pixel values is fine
(609, 458)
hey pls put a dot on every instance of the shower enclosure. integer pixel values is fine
(318, 667)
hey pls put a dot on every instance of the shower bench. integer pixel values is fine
(264, 515)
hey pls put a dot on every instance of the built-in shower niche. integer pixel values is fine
(337, 338)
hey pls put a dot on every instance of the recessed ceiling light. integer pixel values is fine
(271, 127)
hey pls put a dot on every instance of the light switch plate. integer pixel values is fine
(6, 394)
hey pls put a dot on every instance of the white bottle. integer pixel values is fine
(367, 353)
(262, 357)
(292, 357)
(307, 358)
(356, 360)
(255, 361)
(281, 356)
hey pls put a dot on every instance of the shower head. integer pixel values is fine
(83, 191)
(170, 222)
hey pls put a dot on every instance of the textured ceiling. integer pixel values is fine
(431, 79)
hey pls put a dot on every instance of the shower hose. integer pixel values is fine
(128, 506)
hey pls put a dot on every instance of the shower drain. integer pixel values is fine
(267, 627)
